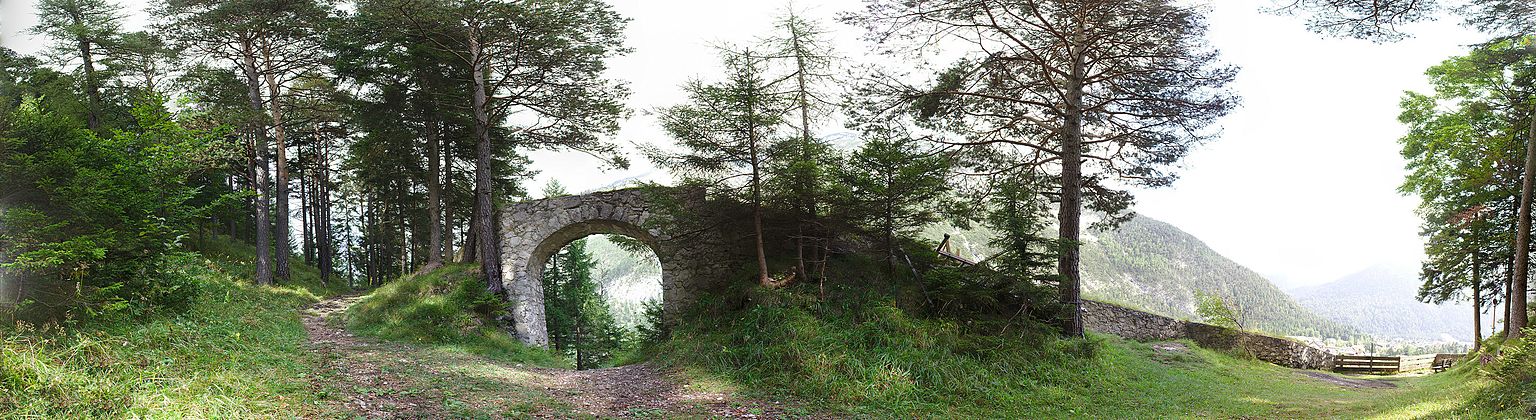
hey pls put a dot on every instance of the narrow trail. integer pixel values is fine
(365, 387)
(382, 380)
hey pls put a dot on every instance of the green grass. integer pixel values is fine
(239, 259)
(237, 352)
(446, 309)
(876, 360)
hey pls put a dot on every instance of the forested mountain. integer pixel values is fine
(627, 279)
(1154, 266)
(1380, 300)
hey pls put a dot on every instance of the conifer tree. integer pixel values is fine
(725, 131)
(1102, 92)
(894, 187)
(81, 29)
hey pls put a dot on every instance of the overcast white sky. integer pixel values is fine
(1301, 188)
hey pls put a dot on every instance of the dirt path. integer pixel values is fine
(1346, 382)
(374, 379)
(364, 388)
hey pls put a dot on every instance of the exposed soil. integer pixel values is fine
(1345, 382)
(380, 380)
(365, 388)
(643, 390)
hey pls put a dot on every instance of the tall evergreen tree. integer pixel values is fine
(1100, 91)
(81, 29)
(725, 131)
(802, 53)
(1466, 148)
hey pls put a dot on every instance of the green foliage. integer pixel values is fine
(447, 307)
(1464, 148)
(578, 320)
(893, 187)
(653, 330)
(237, 351)
(1514, 374)
(1019, 215)
(87, 219)
(1214, 310)
(867, 358)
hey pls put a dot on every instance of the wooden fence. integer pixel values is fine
(1386, 365)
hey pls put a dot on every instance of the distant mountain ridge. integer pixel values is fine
(1157, 266)
(1151, 265)
(1380, 300)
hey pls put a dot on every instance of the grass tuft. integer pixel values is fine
(446, 308)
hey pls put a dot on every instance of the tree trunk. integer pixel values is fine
(490, 266)
(284, 247)
(92, 84)
(434, 196)
(325, 246)
(259, 137)
(1518, 314)
(472, 236)
(757, 226)
(306, 219)
(1070, 213)
(446, 189)
(1477, 302)
(1508, 285)
(809, 194)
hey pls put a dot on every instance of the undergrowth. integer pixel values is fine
(1511, 367)
(235, 352)
(447, 308)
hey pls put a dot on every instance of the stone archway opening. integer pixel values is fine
(601, 292)
(691, 256)
(629, 275)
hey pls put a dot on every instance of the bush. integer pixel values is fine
(1514, 375)
(89, 221)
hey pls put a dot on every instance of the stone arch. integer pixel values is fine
(533, 231)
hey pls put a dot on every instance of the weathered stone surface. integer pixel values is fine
(533, 231)
(1142, 326)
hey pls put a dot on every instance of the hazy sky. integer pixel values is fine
(1301, 187)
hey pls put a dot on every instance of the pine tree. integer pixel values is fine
(1097, 90)
(725, 131)
(82, 29)
(579, 321)
(894, 188)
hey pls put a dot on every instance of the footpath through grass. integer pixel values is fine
(237, 352)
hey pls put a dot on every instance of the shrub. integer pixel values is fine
(89, 220)
(1514, 374)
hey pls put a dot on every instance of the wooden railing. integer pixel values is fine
(1386, 365)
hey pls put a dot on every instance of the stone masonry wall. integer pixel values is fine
(1142, 326)
(533, 231)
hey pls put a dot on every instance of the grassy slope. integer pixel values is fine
(236, 353)
(438, 309)
(880, 362)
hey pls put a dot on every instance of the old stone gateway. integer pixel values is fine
(533, 231)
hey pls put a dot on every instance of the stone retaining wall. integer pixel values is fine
(1143, 326)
